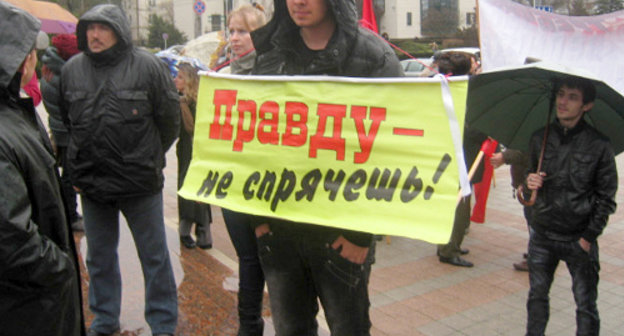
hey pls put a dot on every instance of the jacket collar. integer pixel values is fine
(565, 132)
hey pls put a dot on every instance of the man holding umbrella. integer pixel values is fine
(577, 184)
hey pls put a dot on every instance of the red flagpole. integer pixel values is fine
(482, 189)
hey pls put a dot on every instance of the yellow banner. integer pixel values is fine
(367, 155)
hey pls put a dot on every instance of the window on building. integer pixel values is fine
(409, 18)
(439, 17)
(470, 19)
(152, 3)
(215, 22)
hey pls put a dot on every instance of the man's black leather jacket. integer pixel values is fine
(578, 193)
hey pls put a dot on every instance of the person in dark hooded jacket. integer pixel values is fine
(305, 262)
(39, 278)
(63, 47)
(122, 110)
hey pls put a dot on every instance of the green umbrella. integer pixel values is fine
(510, 104)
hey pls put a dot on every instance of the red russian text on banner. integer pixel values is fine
(373, 155)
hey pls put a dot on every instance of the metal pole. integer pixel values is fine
(198, 28)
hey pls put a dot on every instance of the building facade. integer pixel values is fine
(400, 19)
(213, 18)
(406, 19)
(139, 11)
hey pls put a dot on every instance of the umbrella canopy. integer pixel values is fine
(206, 48)
(54, 18)
(173, 59)
(510, 104)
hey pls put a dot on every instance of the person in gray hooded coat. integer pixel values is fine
(39, 278)
(122, 110)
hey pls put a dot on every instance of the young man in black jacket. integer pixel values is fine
(577, 188)
(305, 262)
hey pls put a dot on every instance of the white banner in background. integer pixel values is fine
(511, 32)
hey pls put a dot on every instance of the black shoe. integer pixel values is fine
(187, 241)
(203, 235)
(163, 335)
(92, 332)
(204, 246)
(456, 261)
(461, 251)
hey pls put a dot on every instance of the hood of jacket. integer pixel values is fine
(281, 24)
(18, 32)
(109, 14)
(52, 60)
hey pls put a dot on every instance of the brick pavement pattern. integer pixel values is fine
(411, 292)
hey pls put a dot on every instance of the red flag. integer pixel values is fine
(482, 189)
(368, 16)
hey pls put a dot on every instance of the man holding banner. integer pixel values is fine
(305, 262)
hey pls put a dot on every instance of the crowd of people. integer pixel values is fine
(115, 110)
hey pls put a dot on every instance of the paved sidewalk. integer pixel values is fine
(411, 292)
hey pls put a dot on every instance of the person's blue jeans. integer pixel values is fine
(544, 256)
(300, 266)
(145, 220)
(251, 277)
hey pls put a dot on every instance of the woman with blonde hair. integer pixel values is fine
(241, 22)
(189, 212)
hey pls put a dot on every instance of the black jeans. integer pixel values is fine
(544, 256)
(251, 277)
(301, 267)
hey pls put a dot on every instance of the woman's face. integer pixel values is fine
(180, 81)
(240, 40)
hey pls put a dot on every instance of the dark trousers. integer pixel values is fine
(544, 256)
(301, 267)
(144, 215)
(251, 277)
(460, 224)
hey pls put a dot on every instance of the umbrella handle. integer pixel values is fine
(521, 199)
(519, 193)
